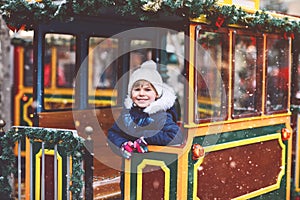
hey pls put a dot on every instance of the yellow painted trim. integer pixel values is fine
(20, 93)
(64, 100)
(230, 74)
(208, 100)
(290, 143)
(58, 100)
(230, 2)
(205, 111)
(166, 149)
(21, 68)
(18, 99)
(182, 178)
(242, 123)
(264, 79)
(25, 109)
(71, 172)
(38, 172)
(26, 153)
(27, 168)
(70, 91)
(289, 163)
(195, 178)
(242, 143)
(191, 96)
(59, 91)
(127, 180)
(53, 67)
(17, 111)
(158, 163)
(105, 92)
(290, 72)
(90, 67)
(297, 161)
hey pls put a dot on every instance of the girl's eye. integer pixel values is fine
(136, 89)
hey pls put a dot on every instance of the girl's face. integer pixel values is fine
(143, 94)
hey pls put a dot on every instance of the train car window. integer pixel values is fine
(277, 74)
(28, 66)
(175, 69)
(210, 75)
(246, 70)
(103, 65)
(59, 70)
(59, 60)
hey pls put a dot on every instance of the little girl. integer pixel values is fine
(149, 116)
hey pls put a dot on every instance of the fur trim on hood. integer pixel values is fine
(165, 102)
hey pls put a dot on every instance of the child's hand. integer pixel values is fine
(141, 145)
(126, 149)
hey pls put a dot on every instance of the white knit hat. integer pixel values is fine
(147, 72)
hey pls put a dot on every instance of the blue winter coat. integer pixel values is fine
(156, 123)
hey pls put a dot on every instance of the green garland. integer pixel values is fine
(19, 13)
(73, 146)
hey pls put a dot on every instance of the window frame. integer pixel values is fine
(259, 72)
(286, 109)
(224, 75)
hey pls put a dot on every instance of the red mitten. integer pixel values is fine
(126, 149)
(141, 145)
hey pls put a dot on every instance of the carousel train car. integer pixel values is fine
(236, 85)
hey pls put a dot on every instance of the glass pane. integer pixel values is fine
(210, 70)
(103, 67)
(28, 66)
(175, 69)
(277, 74)
(59, 70)
(245, 73)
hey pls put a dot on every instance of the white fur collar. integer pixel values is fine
(165, 102)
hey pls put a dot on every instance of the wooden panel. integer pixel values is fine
(153, 185)
(107, 164)
(79, 119)
(237, 171)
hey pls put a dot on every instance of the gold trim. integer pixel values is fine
(191, 96)
(230, 74)
(289, 164)
(182, 178)
(297, 160)
(53, 72)
(158, 163)
(264, 79)
(290, 72)
(25, 113)
(127, 180)
(90, 67)
(242, 143)
(27, 168)
(38, 172)
(242, 123)
(20, 68)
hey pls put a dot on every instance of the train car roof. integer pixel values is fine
(170, 14)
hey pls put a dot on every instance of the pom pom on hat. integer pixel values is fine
(147, 72)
